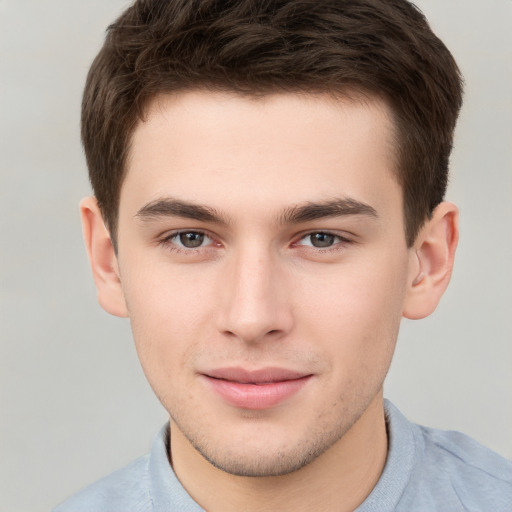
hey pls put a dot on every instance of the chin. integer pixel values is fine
(273, 454)
(278, 463)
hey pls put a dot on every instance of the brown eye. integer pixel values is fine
(322, 240)
(191, 240)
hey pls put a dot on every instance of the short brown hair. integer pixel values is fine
(382, 47)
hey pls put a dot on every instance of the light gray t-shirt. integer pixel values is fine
(427, 470)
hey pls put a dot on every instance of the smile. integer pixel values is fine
(256, 390)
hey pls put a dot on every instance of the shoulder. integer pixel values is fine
(464, 452)
(455, 468)
(146, 485)
(125, 490)
(445, 471)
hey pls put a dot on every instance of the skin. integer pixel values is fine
(239, 175)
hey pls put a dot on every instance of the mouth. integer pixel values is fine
(255, 389)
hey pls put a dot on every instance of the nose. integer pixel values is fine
(254, 302)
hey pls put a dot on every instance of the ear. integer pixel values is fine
(432, 262)
(102, 258)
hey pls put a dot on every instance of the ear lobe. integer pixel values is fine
(102, 258)
(434, 253)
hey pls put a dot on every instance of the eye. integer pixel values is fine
(321, 240)
(189, 239)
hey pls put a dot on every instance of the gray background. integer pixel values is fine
(74, 403)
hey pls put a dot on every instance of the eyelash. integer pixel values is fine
(167, 241)
(338, 245)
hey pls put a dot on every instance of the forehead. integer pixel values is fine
(228, 151)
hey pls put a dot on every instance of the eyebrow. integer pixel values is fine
(169, 207)
(332, 208)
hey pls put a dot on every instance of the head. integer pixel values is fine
(378, 48)
(272, 180)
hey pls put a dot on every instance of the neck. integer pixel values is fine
(338, 480)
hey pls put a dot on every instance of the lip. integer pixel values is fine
(255, 389)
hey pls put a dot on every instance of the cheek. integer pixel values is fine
(167, 314)
(356, 311)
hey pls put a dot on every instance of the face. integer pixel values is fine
(263, 263)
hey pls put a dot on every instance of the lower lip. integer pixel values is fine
(256, 396)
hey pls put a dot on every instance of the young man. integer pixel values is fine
(269, 181)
